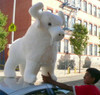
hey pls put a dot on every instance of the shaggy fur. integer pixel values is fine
(38, 47)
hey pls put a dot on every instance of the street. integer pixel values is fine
(74, 80)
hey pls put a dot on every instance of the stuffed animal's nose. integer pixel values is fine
(61, 35)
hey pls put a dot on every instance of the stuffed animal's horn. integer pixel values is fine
(60, 13)
(34, 10)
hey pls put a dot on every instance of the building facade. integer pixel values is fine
(22, 18)
(86, 12)
(88, 15)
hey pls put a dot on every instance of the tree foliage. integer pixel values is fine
(3, 32)
(79, 38)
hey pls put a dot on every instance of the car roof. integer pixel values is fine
(10, 85)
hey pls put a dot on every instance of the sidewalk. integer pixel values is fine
(59, 74)
(65, 73)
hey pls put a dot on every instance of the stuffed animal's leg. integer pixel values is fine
(49, 69)
(22, 68)
(31, 71)
(9, 69)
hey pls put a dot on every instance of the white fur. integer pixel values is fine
(37, 48)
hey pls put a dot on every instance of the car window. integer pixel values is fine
(58, 91)
(38, 92)
(2, 93)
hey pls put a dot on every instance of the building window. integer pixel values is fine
(90, 49)
(94, 11)
(73, 2)
(68, 1)
(85, 51)
(79, 21)
(99, 51)
(62, 0)
(58, 46)
(95, 30)
(99, 13)
(66, 45)
(95, 50)
(85, 24)
(65, 0)
(78, 3)
(72, 22)
(90, 29)
(66, 20)
(90, 9)
(72, 49)
(85, 6)
(99, 31)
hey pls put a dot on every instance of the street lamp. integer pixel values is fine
(72, 8)
(67, 4)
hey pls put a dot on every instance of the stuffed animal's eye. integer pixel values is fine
(49, 24)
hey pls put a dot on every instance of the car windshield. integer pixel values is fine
(2, 93)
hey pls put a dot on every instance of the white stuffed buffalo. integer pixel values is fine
(38, 47)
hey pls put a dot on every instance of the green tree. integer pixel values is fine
(78, 40)
(3, 33)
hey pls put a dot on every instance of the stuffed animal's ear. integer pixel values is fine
(60, 13)
(34, 10)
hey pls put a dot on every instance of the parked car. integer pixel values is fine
(17, 86)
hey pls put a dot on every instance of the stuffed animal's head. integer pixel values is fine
(48, 21)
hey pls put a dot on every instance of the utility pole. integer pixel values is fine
(13, 20)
